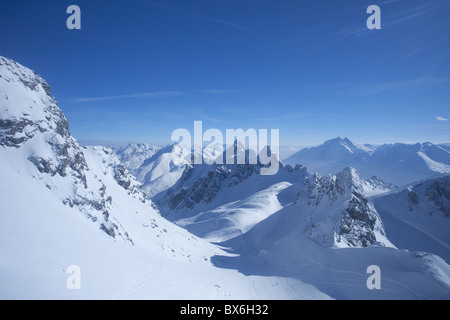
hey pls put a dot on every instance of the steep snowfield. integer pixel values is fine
(40, 237)
(235, 218)
(64, 205)
(397, 163)
(417, 216)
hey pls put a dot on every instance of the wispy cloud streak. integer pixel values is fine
(227, 23)
(128, 96)
(361, 89)
(215, 91)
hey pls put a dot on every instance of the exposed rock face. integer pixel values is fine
(439, 194)
(430, 196)
(343, 209)
(205, 189)
(33, 112)
(358, 223)
(32, 124)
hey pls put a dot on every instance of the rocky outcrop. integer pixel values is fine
(32, 124)
(342, 208)
(439, 194)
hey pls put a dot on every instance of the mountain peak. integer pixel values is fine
(347, 141)
(339, 142)
(349, 179)
(30, 116)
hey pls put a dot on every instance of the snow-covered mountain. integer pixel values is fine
(35, 140)
(293, 235)
(341, 215)
(324, 231)
(446, 146)
(417, 217)
(222, 201)
(63, 205)
(133, 156)
(300, 241)
(395, 163)
(157, 169)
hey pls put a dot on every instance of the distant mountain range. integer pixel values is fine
(396, 163)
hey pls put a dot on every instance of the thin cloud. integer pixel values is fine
(414, 13)
(410, 54)
(362, 89)
(128, 96)
(298, 115)
(203, 116)
(227, 23)
(219, 91)
(233, 110)
(437, 126)
(343, 34)
(439, 118)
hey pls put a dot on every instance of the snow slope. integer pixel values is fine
(324, 231)
(397, 163)
(417, 216)
(220, 201)
(235, 218)
(159, 170)
(297, 242)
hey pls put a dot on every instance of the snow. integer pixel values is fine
(397, 163)
(416, 225)
(294, 235)
(133, 156)
(53, 219)
(162, 169)
(434, 165)
(278, 246)
(233, 219)
(41, 237)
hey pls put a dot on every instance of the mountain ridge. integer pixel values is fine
(397, 163)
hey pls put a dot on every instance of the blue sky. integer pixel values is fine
(140, 69)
